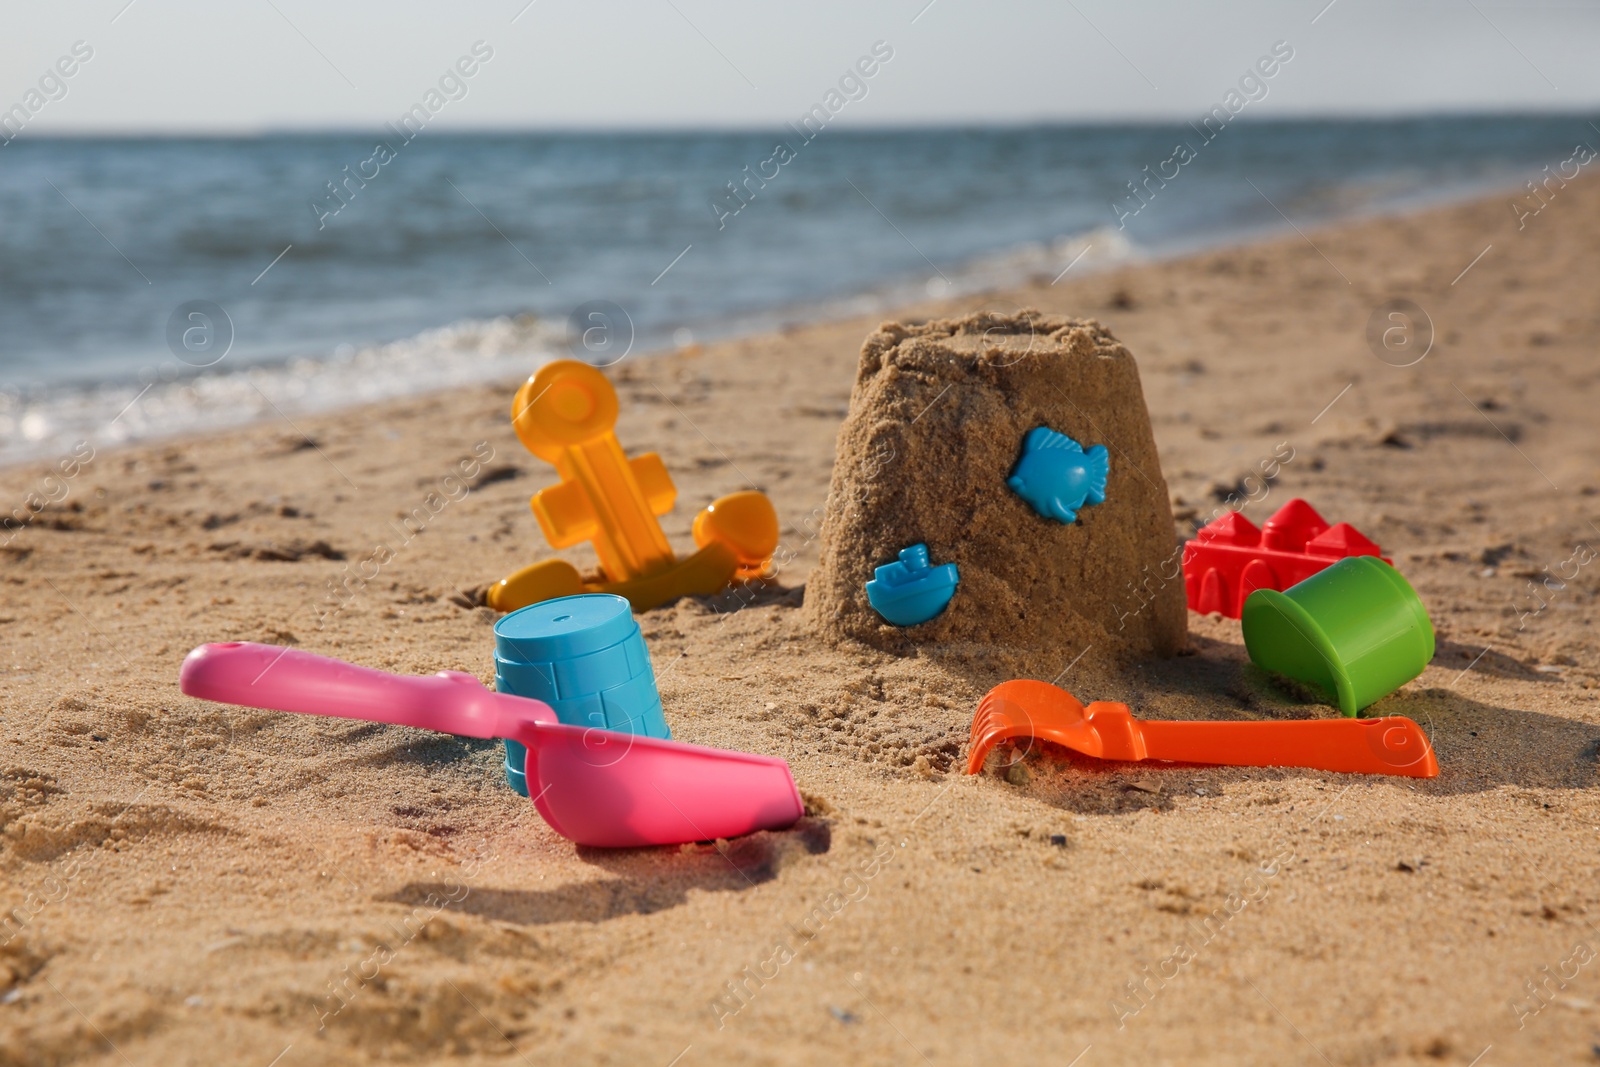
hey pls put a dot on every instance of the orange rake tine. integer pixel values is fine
(998, 719)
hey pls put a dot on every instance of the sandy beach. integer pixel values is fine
(191, 883)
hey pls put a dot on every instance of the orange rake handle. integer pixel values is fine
(1392, 745)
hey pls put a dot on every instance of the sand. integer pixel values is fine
(193, 884)
(938, 416)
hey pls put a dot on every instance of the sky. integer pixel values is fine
(253, 65)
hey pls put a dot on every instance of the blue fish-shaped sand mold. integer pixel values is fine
(1057, 477)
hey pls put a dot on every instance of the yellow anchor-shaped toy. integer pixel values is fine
(565, 415)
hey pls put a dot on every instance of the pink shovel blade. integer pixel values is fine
(595, 787)
(617, 790)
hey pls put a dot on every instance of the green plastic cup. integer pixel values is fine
(1356, 630)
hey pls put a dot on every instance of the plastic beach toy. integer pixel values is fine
(746, 524)
(565, 415)
(1057, 477)
(595, 787)
(910, 590)
(1229, 558)
(1107, 730)
(585, 657)
(1357, 631)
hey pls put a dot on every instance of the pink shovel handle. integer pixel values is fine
(287, 679)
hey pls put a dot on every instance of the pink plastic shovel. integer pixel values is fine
(596, 787)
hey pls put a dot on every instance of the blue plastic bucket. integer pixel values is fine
(584, 656)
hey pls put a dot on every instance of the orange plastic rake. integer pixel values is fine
(1105, 730)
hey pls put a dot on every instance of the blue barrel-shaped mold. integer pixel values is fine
(584, 656)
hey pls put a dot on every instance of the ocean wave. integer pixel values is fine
(49, 422)
(1071, 255)
(177, 400)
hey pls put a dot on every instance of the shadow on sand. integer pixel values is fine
(643, 880)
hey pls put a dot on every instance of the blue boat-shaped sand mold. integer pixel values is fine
(910, 590)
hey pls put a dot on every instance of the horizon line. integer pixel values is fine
(264, 130)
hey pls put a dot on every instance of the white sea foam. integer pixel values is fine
(464, 353)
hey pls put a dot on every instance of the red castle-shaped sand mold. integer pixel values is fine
(1229, 559)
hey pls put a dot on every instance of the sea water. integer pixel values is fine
(151, 286)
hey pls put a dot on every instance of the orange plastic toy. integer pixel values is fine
(1105, 730)
(565, 415)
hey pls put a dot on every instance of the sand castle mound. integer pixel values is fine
(938, 421)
